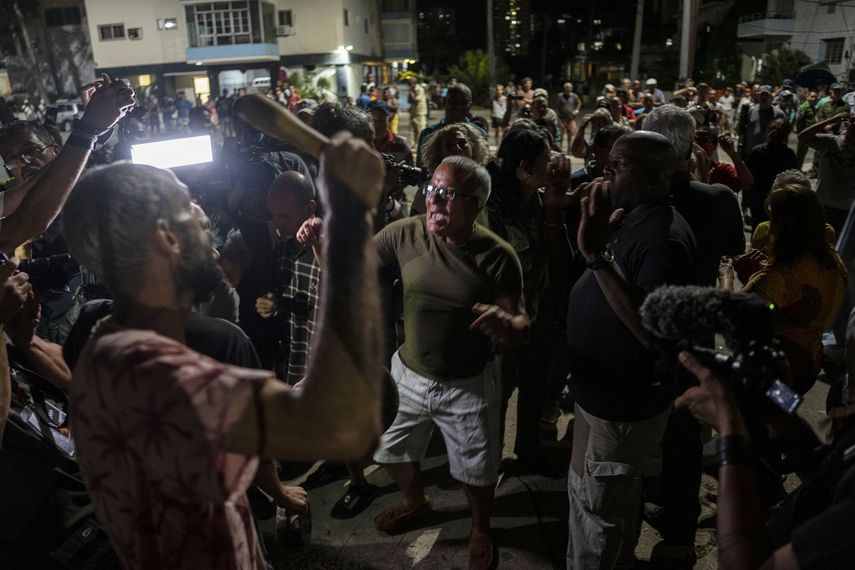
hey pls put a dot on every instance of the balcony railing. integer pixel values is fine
(780, 15)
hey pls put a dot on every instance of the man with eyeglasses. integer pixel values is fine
(44, 172)
(462, 295)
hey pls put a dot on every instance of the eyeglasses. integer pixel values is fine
(26, 155)
(445, 194)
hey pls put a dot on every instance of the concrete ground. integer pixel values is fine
(529, 521)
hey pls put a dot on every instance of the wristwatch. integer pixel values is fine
(86, 129)
(601, 259)
(81, 140)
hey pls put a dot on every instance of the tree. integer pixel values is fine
(309, 85)
(473, 69)
(781, 64)
(15, 16)
(717, 57)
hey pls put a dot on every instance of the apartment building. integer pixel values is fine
(823, 29)
(204, 47)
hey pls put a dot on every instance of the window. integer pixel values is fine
(221, 23)
(111, 32)
(366, 25)
(167, 23)
(784, 6)
(134, 33)
(285, 18)
(833, 50)
(346, 17)
(55, 17)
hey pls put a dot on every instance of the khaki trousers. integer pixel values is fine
(604, 487)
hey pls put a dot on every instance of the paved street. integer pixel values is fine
(530, 519)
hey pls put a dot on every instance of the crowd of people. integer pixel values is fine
(209, 322)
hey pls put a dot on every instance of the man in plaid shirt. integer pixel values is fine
(296, 272)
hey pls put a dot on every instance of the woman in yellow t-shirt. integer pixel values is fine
(802, 275)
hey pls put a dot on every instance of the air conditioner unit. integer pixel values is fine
(282, 31)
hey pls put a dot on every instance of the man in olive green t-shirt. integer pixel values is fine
(462, 295)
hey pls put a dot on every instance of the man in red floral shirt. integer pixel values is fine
(168, 439)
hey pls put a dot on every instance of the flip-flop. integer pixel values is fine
(394, 516)
(354, 501)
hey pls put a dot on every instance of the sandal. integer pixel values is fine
(394, 516)
(354, 501)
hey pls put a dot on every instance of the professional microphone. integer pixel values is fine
(694, 313)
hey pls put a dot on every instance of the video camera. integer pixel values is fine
(410, 175)
(688, 316)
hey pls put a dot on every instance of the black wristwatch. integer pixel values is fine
(86, 129)
(601, 259)
(81, 140)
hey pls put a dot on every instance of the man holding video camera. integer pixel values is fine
(813, 527)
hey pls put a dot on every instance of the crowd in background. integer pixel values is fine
(468, 266)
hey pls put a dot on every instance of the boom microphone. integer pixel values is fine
(274, 120)
(693, 313)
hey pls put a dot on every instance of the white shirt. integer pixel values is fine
(725, 102)
(499, 107)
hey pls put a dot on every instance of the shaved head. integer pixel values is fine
(639, 169)
(652, 148)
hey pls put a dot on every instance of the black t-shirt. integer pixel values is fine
(219, 339)
(713, 214)
(614, 377)
(765, 163)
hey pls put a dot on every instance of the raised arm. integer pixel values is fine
(808, 136)
(728, 145)
(32, 206)
(336, 414)
(579, 145)
(594, 229)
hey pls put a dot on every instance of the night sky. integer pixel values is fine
(471, 17)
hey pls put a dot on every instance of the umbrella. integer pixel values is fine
(811, 77)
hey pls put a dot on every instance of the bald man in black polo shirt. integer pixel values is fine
(634, 241)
